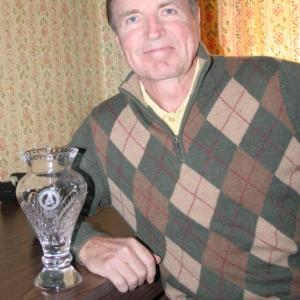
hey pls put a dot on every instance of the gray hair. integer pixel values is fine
(110, 18)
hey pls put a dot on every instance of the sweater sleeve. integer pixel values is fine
(290, 85)
(88, 165)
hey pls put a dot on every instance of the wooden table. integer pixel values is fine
(20, 262)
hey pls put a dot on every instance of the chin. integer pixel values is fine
(157, 77)
(161, 73)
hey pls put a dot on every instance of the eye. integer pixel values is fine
(132, 19)
(169, 11)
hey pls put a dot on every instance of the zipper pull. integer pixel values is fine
(178, 148)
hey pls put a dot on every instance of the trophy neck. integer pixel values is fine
(46, 167)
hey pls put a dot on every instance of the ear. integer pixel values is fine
(117, 39)
(198, 17)
(198, 20)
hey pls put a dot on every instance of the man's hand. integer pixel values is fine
(124, 261)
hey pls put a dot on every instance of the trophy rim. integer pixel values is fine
(49, 152)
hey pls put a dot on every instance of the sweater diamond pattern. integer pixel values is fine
(220, 203)
(233, 111)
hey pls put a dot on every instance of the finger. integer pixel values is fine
(147, 259)
(129, 274)
(118, 281)
(157, 258)
(139, 270)
(137, 267)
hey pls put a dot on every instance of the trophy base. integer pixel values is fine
(54, 280)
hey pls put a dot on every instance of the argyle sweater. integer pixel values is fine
(219, 203)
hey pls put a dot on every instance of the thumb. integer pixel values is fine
(157, 258)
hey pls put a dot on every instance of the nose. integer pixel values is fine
(154, 28)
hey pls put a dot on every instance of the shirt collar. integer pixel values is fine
(148, 101)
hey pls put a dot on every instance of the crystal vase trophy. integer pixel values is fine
(51, 195)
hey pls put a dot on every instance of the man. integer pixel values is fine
(201, 156)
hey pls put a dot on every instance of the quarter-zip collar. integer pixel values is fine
(132, 91)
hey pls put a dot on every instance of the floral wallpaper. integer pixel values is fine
(252, 27)
(58, 60)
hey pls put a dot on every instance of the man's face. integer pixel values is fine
(159, 38)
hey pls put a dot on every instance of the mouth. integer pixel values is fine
(158, 50)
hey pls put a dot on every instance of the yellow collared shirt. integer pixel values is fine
(173, 119)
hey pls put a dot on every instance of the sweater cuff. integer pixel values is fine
(84, 233)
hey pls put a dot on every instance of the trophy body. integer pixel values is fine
(51, 195)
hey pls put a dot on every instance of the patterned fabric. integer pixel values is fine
(252, 27)
(220, 201)
(58, 60)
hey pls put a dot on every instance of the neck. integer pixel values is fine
(170, 93)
